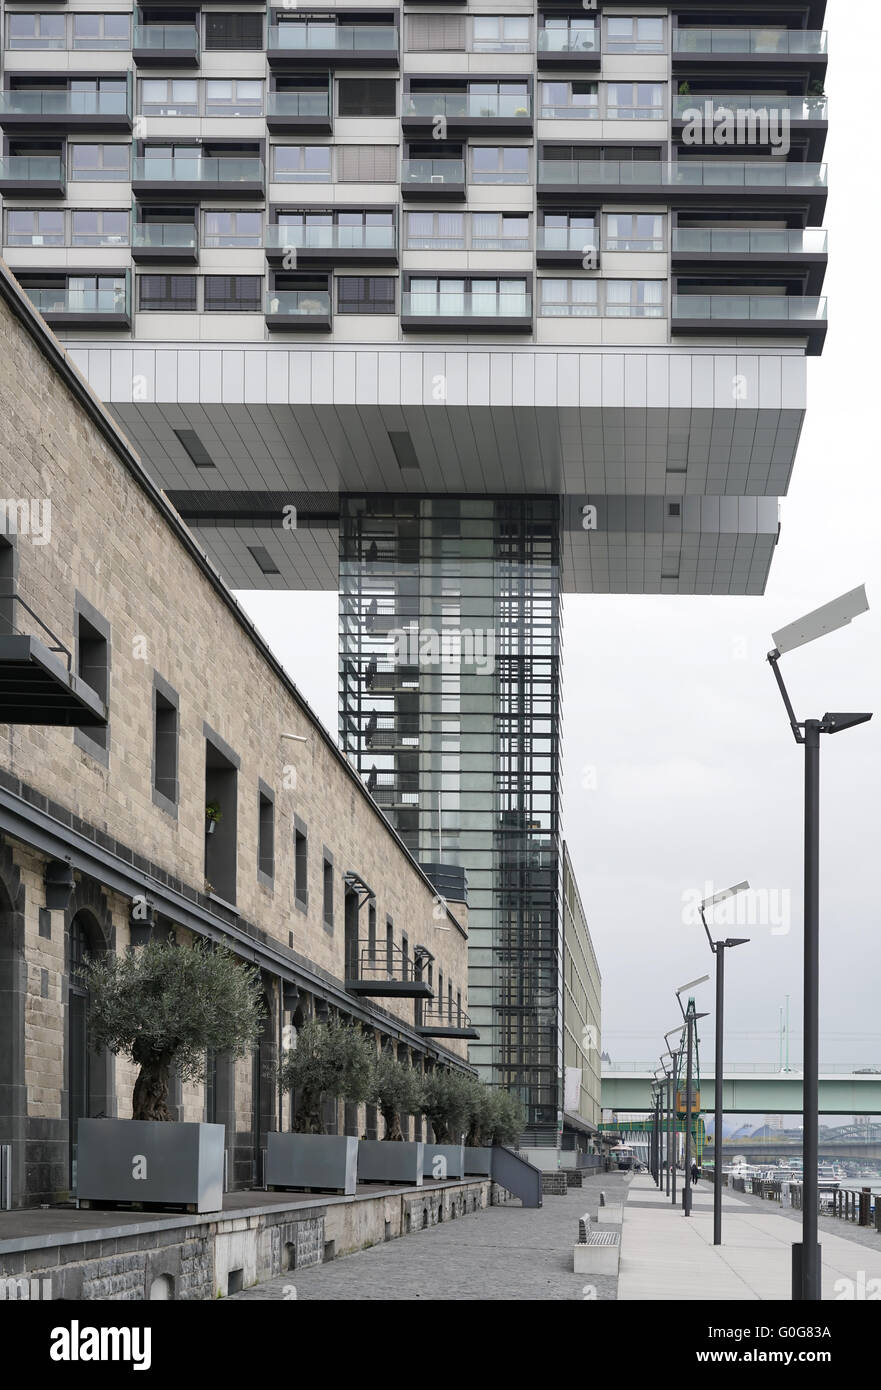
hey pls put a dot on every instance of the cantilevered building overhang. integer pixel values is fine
(668, 462)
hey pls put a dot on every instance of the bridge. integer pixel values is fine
(751, 1088)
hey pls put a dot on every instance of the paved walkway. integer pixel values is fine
(503, 1253)
(665, 1256)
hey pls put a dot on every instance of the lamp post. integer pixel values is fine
(719, 948)
(675, 1062)
(690, 1018)
(806, 1266)
(668, 1113)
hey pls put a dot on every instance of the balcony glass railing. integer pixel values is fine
(687, 173)
(299, 304)
(180, 236)
(768, 39)
(797, 108)
(751, 307)
(32, 168)
(428, 171)
(333, 38)
(161, 38)
(284, 238)
(52, 103)
(214, 169)
(750, 241)
(298, 104)
(486, 105)
(572, 111)
(65, 299)
(566, 239)
(456, 304)
(575, 39)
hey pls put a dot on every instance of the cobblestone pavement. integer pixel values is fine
(862, 1235)
(501, 1253)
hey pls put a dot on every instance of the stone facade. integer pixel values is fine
(114, 562)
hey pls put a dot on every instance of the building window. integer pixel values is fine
(234, 31)
(328, 891)
(568, 298)
(366, 163)
(500, 34)
(35, 31)
(233, 294)
(371, 933)
(43, 227)
(233, 97)
(169, 96)
(100, 163)
(168, 294)
(568, 231)
(389, 945)
(266, 832)
(366, 96)
(165, 741)
(366, 294)
(101, 31)
(301, 864)
(234, 229)
(301, 163)
(499, 164)
(221, 795)
(635, 101)
(436, 231)
(476, 296)
(499, 231)
(99, 227)
(634, 231)
(626, 35)
(635, 299)
(93, 667)
(570, 100)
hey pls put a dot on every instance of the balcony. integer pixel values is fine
(758, 119)
(308, 111)
(688, 180)
(32, 176)
(466, 113)
(433, 178)
(476, 312)
(232, 176)
(567, 246)
(577, 47)
(434, 1020)
(38, 684)
(292, 311)
(66, 307)
(392, 732)
(54, 109)
(732, 246)
(333, 245)
(777, 316)
(166, 45)
(307, 44)
(384, 972)
(768, 46)
(165, 241)
(387, 677)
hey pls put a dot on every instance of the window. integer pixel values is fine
(568, 298)
(301, 163)
(500, 34)
(435, 231)
(567, 34)
(233, 97)
(405, 958)
(458, 1008)
(499, 164)
(242, 229)
(328, 890)
(367, 96)
(436, 33)
(97, 31)
(169, 96)
(221, 827)
(367, 163)
(34, 228)
(101, 227)
(389, 945)
(634, 232)
(473, 295)
(565, 231)
(234, 31)
(233, 294)
(265, 832)
(35, 31)
(93, 667)
(301, 864)
(624, 35)
(634, 299)
(100, 163)
(165, 741)
(366, 294)
(568, 100)
(499, 231)
(635, 101)
(371, 933)
(169, 294)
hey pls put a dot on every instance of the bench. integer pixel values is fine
(597, 1252)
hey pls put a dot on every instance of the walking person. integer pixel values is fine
(694, 1174)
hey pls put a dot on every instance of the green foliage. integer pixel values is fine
(447, 1100)
(213, 811)
(396, 1088)
(332, 1059)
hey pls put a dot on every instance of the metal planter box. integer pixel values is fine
(167, 1163)
(444, 1161)
(324, 1161)
(384, 1160)
(478, 1162)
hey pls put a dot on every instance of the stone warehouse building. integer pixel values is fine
(135, 692)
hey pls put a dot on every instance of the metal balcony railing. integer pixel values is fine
(581, 240)
(161, 38)
(302, 304)
(486, 105)
(332, 238)
(339, 38)
(173, 235)
(768, 39)
(63, 103)
(210, 170)
(750, 241)
(686, 173)
(429, 171)
(750, 307)
(383, 969)
(308, 103)
(31, 168)
(66, 299)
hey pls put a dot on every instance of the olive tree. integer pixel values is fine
(165, 1005)
(332, 1059)
(396, 1088)
(446, 1101)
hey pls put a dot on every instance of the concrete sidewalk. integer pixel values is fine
(666, 1256)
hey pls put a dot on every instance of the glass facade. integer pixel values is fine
(449, 708)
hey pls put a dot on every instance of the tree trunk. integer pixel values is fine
(393, 1129)
(150, 1096)
(307, 1119)
(440, 1129)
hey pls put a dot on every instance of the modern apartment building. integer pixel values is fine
(454, 308)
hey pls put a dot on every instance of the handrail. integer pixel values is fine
(13, 631)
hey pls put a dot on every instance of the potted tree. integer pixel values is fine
(213, 814)
(447, 1101)
(496, 1118)
(163, 1005)
(395, 1087)
(329, 1060)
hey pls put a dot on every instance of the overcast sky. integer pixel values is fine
(679, 767)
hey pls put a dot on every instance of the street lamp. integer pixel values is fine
(691, 1018)
(668, 1112)
(838, 613)
(657, 1091)
(719, 948)
(675, 1061)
